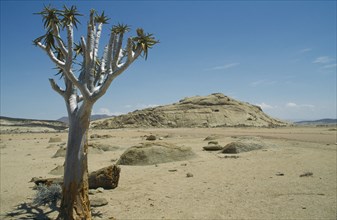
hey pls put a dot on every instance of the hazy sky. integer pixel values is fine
(280, 55)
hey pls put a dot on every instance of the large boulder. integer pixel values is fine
(155, 153)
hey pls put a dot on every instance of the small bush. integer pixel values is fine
(47, 194)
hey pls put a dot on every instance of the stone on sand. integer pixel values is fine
(239, 147)
(61, 152)
(59, 170)
(97, 202)
(54, 139)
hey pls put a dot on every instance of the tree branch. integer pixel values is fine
(132, 56)
(115, 46)
(115, 59)
(52, 56)
(57, 88)
(68, 66)
(90, 36)
(70, 37)
(111, 45)
(83, 89)
(79, 98)
(59, 40)
(97, 37)
(84, 47)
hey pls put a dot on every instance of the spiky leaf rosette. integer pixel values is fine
(101, 18)
(50, 17)
(120, 28)
(69, 16)
(145, 41)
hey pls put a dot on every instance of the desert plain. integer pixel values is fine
(292, 177)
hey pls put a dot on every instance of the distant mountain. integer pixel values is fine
(215, 110)
(93, 118)
(318, 122)
(22, 122)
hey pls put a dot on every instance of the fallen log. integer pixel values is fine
(107, 178)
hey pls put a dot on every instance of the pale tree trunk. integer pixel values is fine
(75, 203)
(82, 91)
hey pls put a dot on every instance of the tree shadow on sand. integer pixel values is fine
(38, 212)
(30, 211)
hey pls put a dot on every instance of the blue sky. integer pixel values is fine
(280, 55)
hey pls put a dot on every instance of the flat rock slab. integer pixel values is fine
(97, 202)
(213, 147)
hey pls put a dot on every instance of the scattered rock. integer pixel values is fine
(279, 174)
(61, 152)
(95, 191)
(173, 170)
(54, 139)
(189, 175)
(94, 149)
(59, 170)
(94, 136)
(51, 146)
(97, 202)
(106, 147)
(155, 153)
(100, 189)
(239, 147)
(102, 147)
(62, 144)
(151, 138)
(100, 136)
(213, 148)
(92, 191)
(210, 138)
(231, 156)
(306, 174)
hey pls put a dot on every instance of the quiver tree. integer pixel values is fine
(84, 86)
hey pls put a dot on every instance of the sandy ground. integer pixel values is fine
(261, 184)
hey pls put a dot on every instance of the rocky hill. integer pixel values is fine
(92, 118)
(215, 110)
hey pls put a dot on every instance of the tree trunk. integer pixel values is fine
(75, 203)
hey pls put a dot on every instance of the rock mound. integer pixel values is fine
(155, 153)
(215, 110)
